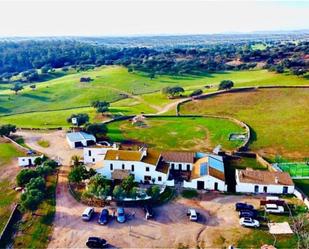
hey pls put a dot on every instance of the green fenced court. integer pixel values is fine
(297, 169)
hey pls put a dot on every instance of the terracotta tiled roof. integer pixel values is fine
(152, 157)
(123, 155)
(182, 157)
(120, 174)
(264, 177)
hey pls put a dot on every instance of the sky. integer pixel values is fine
(148, 17)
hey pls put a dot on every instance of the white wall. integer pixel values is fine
(72, 145)
(24, 161)
(97, 154)
(209, 183)
(139, 170)
(271, 189)
(181, 166)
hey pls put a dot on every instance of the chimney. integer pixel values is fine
(276, 179)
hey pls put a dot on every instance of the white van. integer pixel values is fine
(87, 214)
(274, 208)
(192, 214)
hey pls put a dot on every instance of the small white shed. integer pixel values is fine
(27, 161)
(80, 139)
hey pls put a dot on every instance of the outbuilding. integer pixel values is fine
(27, 161)
(260, 181)
(80, 139)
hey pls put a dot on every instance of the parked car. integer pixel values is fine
(149, 214)
(87, 214)
(274, 208)
(121, 216)
(96, 242)
(248, 213)
(30, 152)
(103, 218)
(243, 206)
(249, 222)
(192, 214)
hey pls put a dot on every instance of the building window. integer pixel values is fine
(285, 190)
(159, 178)
(89, 152)
(122, 166)
(173, 166)
(111, 166)
(265, 189)
(147, 178)
(256, 188)
(132, 167)
(147, 168)
(93, 160)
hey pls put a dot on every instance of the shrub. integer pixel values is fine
(189, 193)
(196, 92)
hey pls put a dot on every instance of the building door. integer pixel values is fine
(285, 190)
(29, 162)
(200, 185)
(256, 189)
(188, 167)
(216, 186)
(265, 189)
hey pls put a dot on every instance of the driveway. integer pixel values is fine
(217, 227)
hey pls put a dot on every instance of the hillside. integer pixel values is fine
(130, 93)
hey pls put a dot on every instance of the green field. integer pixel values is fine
(176, 133)
(7, 152)
(303, 184)
(300, 169)
(56, 99)
(278, 118)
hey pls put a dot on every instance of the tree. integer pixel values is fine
(154, 192)
(44, 170)
(173, 91)
(17, 87)
(36, 183)
(128, 183)
(31, 199)
(81, 119)
(33, 87)
(100, 106)
(6, 130)
(298, 71)
(226, 84)
(99, 187)
(78, 174)
(97, 130)
(24, 176)
(119, 193)
(152, 75)
(75, 160)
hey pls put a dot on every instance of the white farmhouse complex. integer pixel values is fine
(146, 166)
(27, 161)
(80, 139)
(258, 181)
(97, 153)
(194, 170)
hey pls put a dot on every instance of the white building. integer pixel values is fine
(258, 181)
(179, 161)
(146, 166)
(97, 153)
(80, 139)
(207, 173)
(27, 161)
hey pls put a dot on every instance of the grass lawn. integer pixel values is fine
(176, 133)
(43, 143)
(295, 169)
(189, 193)
(34, 230)
(278, 118)
(8, 196)
(113, 83)
(244, 163)
(303, 184)
(7, 152)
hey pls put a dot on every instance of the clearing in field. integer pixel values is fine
(174, 133)
(297, 169)
(278, 118)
